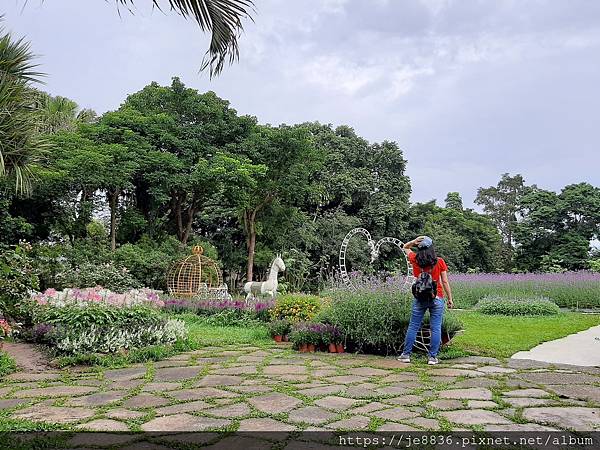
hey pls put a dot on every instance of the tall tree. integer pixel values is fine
(185, 130)
(289, 157)
(20, 145)
(502, 204)
(454, 201)
(556, 229)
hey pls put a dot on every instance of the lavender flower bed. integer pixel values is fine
(224, 312)
(568, 289)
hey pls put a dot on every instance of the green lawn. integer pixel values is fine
(203, 335)
(502, 336)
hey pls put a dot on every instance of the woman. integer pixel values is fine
(425, 259)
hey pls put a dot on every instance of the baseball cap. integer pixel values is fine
(426, 242)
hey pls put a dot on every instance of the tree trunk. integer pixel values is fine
(188, 225)
(113, 203)
(250, 222)
(178, 218)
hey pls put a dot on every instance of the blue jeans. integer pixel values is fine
(436, 313)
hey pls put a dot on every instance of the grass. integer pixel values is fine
(7, 364)
(502, 336)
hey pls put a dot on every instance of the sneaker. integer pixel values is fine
(432, 361)
(404, 358)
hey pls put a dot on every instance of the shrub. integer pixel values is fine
(89, 274)
(98, 295)
(17, 279)
(279, 328)
(517, 306)
(296, 307)
(148, 260)
(377, 322)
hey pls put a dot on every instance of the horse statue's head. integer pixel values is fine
(278, 262)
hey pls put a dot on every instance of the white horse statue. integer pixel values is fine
(253, 288)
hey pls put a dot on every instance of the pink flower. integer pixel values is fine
(50, 292)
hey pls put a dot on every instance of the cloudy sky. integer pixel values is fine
(468, 88)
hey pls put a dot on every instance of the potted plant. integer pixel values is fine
(299, 337)
(306, 336)
(278, 329)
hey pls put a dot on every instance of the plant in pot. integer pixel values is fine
(279, 329)
(306, 336)
(298, 337)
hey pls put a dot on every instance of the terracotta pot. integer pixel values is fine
(339, 348)
(332, 348)
(311, 348)
(285, 338)
(446, 338)
(277, 338)
(303, 348)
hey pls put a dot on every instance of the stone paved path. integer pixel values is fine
(276, 389)
(581, 349)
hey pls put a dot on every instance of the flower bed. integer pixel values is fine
(567, 289)
(96, 320)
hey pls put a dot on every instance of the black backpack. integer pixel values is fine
(425, 288)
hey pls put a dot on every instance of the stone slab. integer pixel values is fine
(145, 401)
(104, 425)
(575, 417)
(354, 423)
(274, 403)
(468, 393)
(336, 403)
(54, 414)
(474, 417)
(183, 422)
(311, 414)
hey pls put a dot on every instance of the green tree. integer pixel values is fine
(454, 201)
(502, 204)
(184, 131)
(557, 229)
(289, 156)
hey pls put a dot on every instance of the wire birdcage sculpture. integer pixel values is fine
(196, 276)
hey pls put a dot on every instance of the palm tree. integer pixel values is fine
(60, 113)
(20, 144)
(222, 18)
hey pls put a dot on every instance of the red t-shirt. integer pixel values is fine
(435, 273)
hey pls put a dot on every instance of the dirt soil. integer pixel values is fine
(27, 356)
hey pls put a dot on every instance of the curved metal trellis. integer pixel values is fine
(374, 249)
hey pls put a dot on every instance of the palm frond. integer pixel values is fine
(222, 18)
(20, 144)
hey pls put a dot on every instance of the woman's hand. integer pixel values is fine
(450, 303)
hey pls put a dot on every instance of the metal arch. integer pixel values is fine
(343, 250)
(374, 247)
(408, 278)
